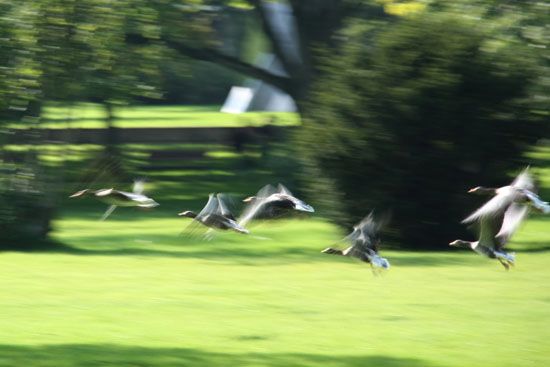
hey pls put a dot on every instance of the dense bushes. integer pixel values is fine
(25, 208)
(408, 121)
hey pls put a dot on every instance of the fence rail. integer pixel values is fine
(212, 135)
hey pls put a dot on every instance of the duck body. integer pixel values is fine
(117, 198)
(216, 215)
(364, 242)
(272, 202)
(500, 217)
(521, 191)
(123, 198)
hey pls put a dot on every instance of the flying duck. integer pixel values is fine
(494, 233)
(516, 197)
(215, 215)
(119, 198)
(500, 217)
(271, 202)
(364, 240)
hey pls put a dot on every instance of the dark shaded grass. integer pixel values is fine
(73, 355)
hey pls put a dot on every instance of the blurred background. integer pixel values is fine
(355, 105)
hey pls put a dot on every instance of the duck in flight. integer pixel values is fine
(364, 242)
(500, 217)
(116, 198)
(215, 215)
(521, 192)
(271, 202)
(493, 236)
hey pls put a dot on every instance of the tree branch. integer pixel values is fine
(214, 56)
(275, 42)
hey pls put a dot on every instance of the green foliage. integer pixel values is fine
(25, 212)
(407, 121)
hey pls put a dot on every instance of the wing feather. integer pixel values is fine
(223, 210)
(256, 206)
(524, 181)
(489, 226)
(513, 217)
(494, 207)
(211, 207)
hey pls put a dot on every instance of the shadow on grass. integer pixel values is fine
(429, 259)
(243, 255)
(117, 355)
(230, 250)
(530, 247)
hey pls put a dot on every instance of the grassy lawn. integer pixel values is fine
(131, 291)
(89, 115)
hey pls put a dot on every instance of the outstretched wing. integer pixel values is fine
(223, 210)
(364, 237)
(524, 181)
(513, 217)
(211, 207)
(139, 187)
(489, 226)
(493, 208)
(195, 225)
(283, 190)
(257, 205)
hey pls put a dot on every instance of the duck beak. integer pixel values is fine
(454, 243)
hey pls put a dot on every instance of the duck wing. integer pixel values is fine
(282, 189)
(365, 228)
(494, 207)
(197, 224)
(364, 237)
(130, 197)
(211, 207)
(256, 206)
(513, 217)
(138, 187)
(489, 227)
(524, 181)
(298, 204)
(223, 210)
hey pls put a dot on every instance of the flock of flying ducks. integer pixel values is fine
(497, 219)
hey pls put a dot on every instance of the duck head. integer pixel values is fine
(249, 199)
(188, 214)
(482, 190)
(460, 243)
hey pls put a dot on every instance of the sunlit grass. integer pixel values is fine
(131, 291)
(89, 115)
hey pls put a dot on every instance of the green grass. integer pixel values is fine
(89, 115)
(131, 291)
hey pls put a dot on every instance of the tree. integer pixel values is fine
(62, 50)
(190, 30)
(406, 121)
